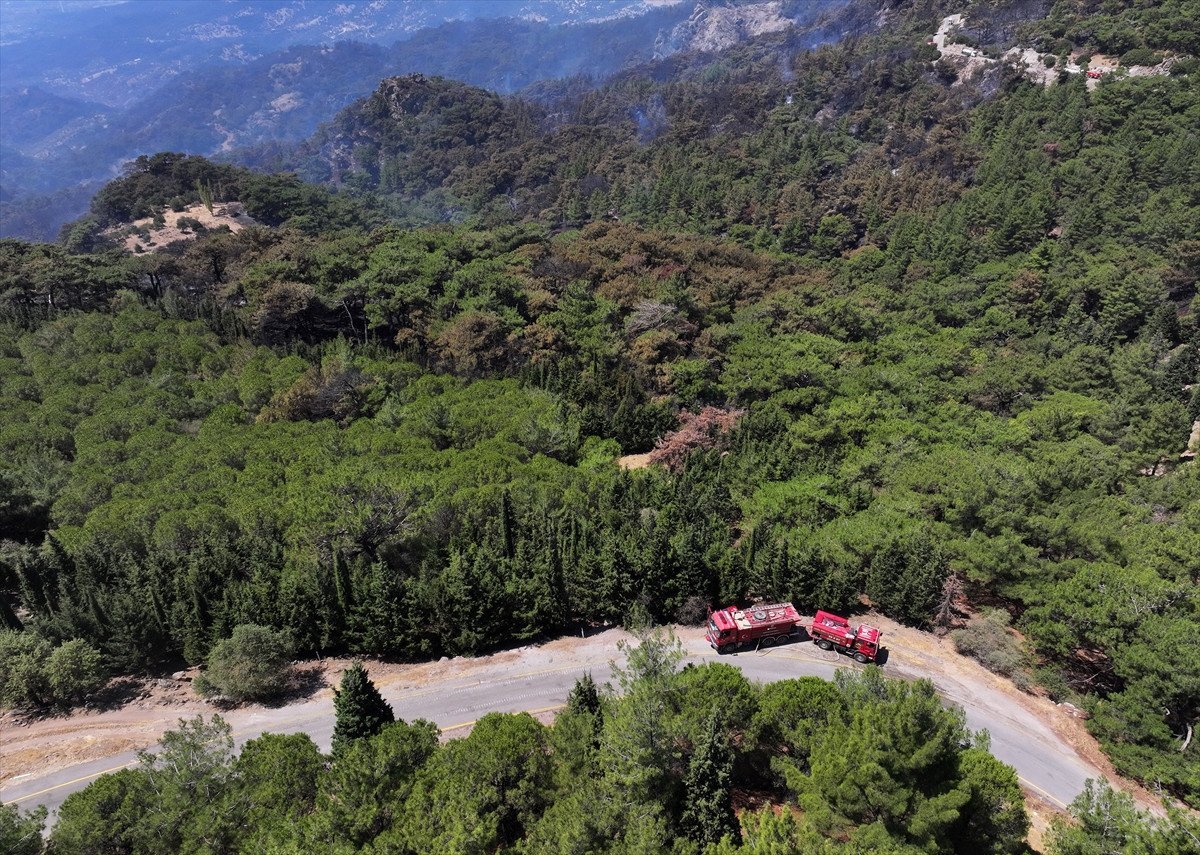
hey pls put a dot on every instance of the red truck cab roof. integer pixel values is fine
(868, 633)
(722, 619)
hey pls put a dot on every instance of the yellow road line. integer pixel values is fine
(1042, 793)
(76, 781)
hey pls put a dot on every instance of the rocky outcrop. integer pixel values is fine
(713, 27)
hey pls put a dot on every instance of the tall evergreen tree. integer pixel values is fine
(709, 813)
(584, 696)
(361, 711)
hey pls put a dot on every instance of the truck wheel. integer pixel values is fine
(861, 657)
(724, 648)
(768, 641)
(824, 645)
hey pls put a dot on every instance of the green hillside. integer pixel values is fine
(895, 343)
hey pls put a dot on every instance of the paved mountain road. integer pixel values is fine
(537, 679)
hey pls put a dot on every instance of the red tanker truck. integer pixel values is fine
(731, 627)
(832, 632)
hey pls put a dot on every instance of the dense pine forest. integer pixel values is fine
(895, 338)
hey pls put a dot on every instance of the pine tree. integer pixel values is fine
(359, 708)
(205, 191)
(709, 813)
(584, 697)
(507, 525)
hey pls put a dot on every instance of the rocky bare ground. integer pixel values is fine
(143, 235)
(971, 61)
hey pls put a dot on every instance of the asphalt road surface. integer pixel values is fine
(532, 681)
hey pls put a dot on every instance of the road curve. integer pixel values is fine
(532, 680)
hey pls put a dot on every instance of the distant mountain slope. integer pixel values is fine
(35, 118)
(284, 95)
(109, 52)
(437, 150)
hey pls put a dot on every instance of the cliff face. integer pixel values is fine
(715, 26)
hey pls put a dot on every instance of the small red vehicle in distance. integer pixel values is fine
(832, 632)
(731, 627)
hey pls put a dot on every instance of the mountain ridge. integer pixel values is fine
(283, 96)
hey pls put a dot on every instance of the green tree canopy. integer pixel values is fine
(360, 711)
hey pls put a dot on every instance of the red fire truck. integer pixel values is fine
(831, 632)
(731, 627)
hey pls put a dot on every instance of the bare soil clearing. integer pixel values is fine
(634, 461)
(229, 214)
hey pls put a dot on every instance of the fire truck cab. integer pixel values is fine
(833, 632)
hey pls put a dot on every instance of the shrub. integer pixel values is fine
(988, 640)
(191, 224)
(1185, 66)
(693, 611)
(928, 53)
(946, 71)
(22, 673)
(33, 673)
(1139, 56)
(252, 664)
(74, 670)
